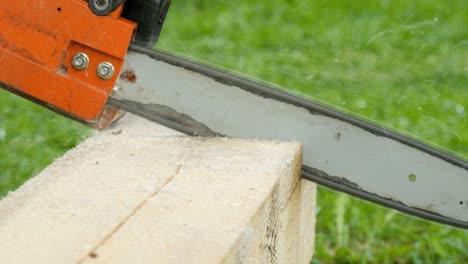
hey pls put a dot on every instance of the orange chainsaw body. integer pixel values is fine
(38, 40)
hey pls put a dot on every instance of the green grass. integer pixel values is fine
(400, 63)
(31, 137)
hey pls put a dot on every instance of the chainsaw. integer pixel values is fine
(91, 60)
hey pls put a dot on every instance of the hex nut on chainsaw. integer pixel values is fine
(100, 7)
(103, 7)
(100, 4)
(105, 70)
(80, 61)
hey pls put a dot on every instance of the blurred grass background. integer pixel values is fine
(403, 64)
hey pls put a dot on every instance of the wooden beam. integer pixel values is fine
(141, 193)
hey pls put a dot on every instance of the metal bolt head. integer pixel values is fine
(100, 5)
(105, 70)
(80, 61)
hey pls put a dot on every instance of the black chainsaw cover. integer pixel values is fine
(150, 15)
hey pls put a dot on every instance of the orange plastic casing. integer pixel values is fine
(38, 40)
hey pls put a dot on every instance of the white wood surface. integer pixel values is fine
(141, 193)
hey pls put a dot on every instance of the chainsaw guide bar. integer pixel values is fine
(202, 101)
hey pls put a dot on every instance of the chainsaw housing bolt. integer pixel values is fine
(105, 70)
(80, 61)
(100, 5)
